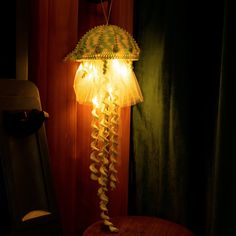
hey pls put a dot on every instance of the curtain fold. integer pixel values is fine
(180, 136)
(223, 179)
(157, 122)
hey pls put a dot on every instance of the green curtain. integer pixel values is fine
(183, 161)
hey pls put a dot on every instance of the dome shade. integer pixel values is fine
(105, 42)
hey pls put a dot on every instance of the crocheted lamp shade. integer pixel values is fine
(106, 53)
(105, 42)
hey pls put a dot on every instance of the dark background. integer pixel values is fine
(198, 66)
(8, 39)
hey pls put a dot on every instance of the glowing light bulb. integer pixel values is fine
(115, 64)
(95, 102)
(124, 70)
(120, 67)
(80, 66)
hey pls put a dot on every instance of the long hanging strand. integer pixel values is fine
(114, 121)
(94, 145)
(101, 148)
(103, 156)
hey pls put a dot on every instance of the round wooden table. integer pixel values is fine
(139, 226)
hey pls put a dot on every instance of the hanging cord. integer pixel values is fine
(107, 17)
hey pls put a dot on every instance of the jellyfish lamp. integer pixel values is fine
(105, 79)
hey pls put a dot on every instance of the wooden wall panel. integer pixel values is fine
(53, 33)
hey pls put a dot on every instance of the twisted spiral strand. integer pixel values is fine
(104, 136)
(94, 146)
(114, 121)
(104, 152)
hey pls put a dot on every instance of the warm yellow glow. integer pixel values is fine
(121, 67)
(80, 66)
(95, 102)
(97, 77)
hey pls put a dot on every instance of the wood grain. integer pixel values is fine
(53, 32)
